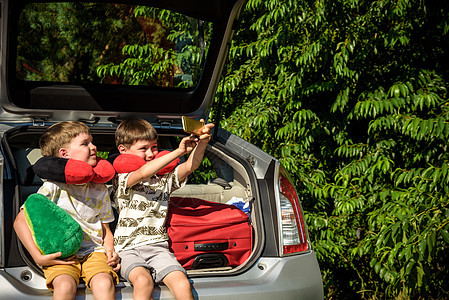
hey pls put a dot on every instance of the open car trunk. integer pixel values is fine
(156, 60)
(223, 178)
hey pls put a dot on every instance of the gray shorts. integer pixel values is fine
(156, 257)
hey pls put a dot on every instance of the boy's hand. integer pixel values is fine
(113, 260)
(206, 132)
(52, 259)
(187, 144)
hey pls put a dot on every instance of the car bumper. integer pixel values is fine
(295, 277)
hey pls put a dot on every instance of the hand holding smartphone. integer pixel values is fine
(192, 126)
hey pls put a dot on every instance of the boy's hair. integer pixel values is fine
(132, 130)
(59, 135)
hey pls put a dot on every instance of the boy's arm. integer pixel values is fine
(108, 243)
(195, 158)
(25, 236)
(185, 146)
(152, 167)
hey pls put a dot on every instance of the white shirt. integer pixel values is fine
(89, 204)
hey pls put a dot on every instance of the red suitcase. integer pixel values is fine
(206, 234)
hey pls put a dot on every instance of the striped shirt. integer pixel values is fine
(142, 209)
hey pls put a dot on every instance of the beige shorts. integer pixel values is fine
(86, 268)
(156, 257)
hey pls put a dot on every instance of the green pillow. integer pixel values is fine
(54, 229)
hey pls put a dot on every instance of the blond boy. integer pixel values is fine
(89, 204)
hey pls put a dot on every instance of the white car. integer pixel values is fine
(101, 62)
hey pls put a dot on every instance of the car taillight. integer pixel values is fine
(294, 234)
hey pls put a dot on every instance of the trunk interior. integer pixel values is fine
(223, 178)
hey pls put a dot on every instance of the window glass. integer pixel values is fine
(76, 42)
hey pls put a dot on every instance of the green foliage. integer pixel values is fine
(171, 48)
(64, 42)
(110, 43)
(144, 63)
(351, 96)
(204, 173)
(103, 154)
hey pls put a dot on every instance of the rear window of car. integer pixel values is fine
(110, 44)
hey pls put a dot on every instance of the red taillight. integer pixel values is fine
(294, 236)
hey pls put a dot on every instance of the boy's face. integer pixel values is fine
(81, 148)
(142, 148)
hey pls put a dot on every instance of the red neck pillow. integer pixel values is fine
(73, 171)
(126, 163)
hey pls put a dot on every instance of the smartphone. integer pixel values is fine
(192, 126)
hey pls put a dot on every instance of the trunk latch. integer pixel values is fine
(39, 120)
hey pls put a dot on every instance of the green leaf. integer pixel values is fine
(431, 239)
(445, 235)
(408, 252)
(420, 275)
(377, 267)
(409, 267)
(392, 256)
(422, 247)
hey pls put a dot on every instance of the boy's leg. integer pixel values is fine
(142, 282)
(102, 286)
(64, 287)
(135, 270)
(168, 270)
(179, 285)
(99, 276)
(63, 279)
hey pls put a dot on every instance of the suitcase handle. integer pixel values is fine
(212, 246)
(210, 260)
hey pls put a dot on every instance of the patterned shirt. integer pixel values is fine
(142, 209)
(89, 204)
